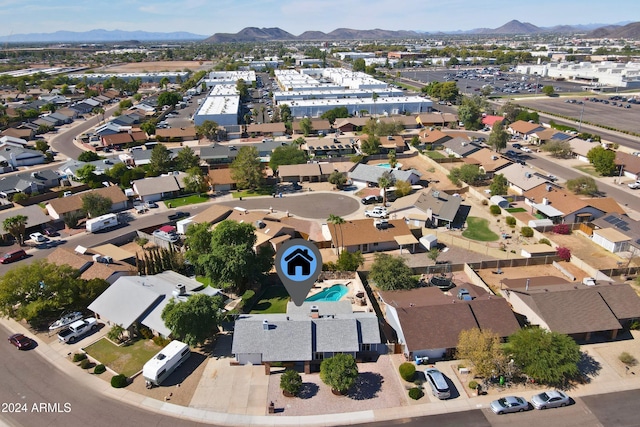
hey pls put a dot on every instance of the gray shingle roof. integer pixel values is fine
(370, 173)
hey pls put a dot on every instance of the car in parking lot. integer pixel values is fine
(369, 200)
(438, 383)
(550, 399)
(20, 341)
(508, 404)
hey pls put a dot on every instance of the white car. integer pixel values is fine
(377, 212)
(38, 237)
(526, 150)
(634, 185)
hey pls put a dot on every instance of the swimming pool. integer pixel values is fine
(333, 293)
(388, 166)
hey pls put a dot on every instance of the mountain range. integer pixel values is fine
(254, 34)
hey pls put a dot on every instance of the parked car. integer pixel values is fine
(438, 384)
(634, 185)
(550, 399)
(369, 200)
(517, 146)
(508, 404)
(377, 212)
(178, 215)
(150, 205)
(20, 341)
(526, 150)
(38, 237)
(511, 153)
(48, 230)
(13, 256)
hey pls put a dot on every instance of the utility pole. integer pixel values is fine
(581, 113)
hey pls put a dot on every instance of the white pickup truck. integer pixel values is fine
(77, 329)
(377, 212)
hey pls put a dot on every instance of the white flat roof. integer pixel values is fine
(220, 105)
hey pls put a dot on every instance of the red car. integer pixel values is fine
(20, 341)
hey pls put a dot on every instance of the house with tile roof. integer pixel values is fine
(521, 179)
(629, 163)
(436, 119)
(561, 206)
(428, 322)
(491, 120)
(266, 129)
(581, 311)
(306, 334)
(525, 130)
(488, 161)
(90, 268)
(549, 135)
(622, 223)
(57, 208)
(365, 236)
(580, 148)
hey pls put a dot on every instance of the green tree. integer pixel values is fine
(243, 89)
(335, 113)
(391, 273)
(95, 205)
(403, 188)
(125, 103)
(88, 156)
(187, 159)
(499, 185)
(232, 261)
(498, 137)
(148, 127)
(306, 126)
(99, 112)
(349, 261)
(164, 82)
(195, 181)
(291, 382)
(583, 185)
(338, 179)
(285, 113)
(470, 114)
(466, 173)
(603, 160)
(339, 372)
(386, 180)
(169, 98)
(246, 168)
(548, 90)
(160, 161)
(87, 174)
(198, 241)
(548, 357)
(433, 254)
(195, 320)
(558, 149)
(371, 145)
(16, 225)
(483, 349)
(359, 65)
(208, 129)
(40, 291)
(287, 155)
(41, 145)
(337, 220)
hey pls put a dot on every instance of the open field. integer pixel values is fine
(139, 67)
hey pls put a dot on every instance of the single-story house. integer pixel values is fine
(28, 183)
(365, 235)
(218, 153)
(580, 148)
(159, 187)
(624, 224)
(489, 161)
(141, 299)
(428, 323)
(491, 120)
(220, 179)
(306, 335)
(370, 174)
(36, 218)
(177, 134)
(57, 208)
(266, 129)
(316, 126)
(23, 133)
(460, 147)
(571, 308)
(629, 163)
(329, 147)
(90, 268)
(523, 129)
(392, 143)
(350, 124)
(549, 135)
(520, 178)
(432, 208)
(433, 137)
(19, 156)
(436, 119)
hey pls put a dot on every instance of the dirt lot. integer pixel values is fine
(493, 280)
(139, 67)
(594, 112)
(586, 250)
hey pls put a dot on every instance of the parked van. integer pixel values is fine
(13, 256)
(438, 383)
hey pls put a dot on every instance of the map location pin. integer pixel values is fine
(298, 263)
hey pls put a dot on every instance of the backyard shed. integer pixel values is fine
(539, 249)
(535, 223)
(429, 241)
(500, 201)
(611, 239)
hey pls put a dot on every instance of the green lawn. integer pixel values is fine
(265, 191)
(588, 169)
(434, 155)
(204, 280)
(273, 300)
(126, 360)
(188, 200)
(478, 229)
(515, 210)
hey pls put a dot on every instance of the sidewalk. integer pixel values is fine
(612, 377)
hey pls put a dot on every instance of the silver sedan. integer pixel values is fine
(550, 399)
(509, 404)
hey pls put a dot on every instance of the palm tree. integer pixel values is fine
(15, 226)
(385, 181)
(337, 220)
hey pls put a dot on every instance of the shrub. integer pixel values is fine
(511, 221)
(563, 253)
(485, 202)
(78, 357)
(545, 241)
(495, 209)
(85, 364)
(161, 342)
(415, 393)
(145, 332)
(119, 381)
(99, 369)
(473, 385)
(627, 359)
(562, 229)
(141, 241)
(291, 382)
(526, 231)
(407, 371)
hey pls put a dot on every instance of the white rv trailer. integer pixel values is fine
(164, 363)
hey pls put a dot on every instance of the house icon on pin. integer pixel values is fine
(299, 258)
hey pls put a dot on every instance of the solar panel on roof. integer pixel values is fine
(625, 228)
(622, 224)
(610, 218)
(615, 221)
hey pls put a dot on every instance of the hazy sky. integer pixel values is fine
(207, 17)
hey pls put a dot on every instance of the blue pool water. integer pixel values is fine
(388, 166)
(333, 293)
